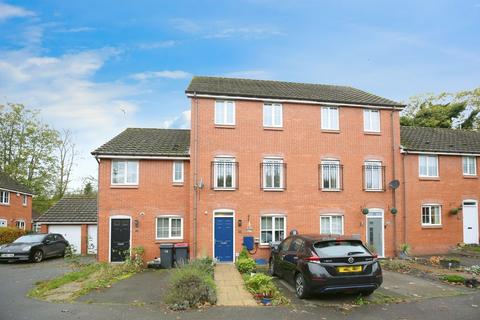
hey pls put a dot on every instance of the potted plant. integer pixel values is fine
(266, 298)
(404, 250)
(450, 263)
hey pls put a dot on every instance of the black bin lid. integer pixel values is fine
(166, 245)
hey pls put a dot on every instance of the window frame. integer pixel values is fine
(224, 159)
(6, 222)
(272, 114)
(273, 230)
(4, 194)
(24, 200)
(427, 162)
(170, 218)
(338, 174)
(380, 181)
(367, 114)
(330, 216)
(468, 174)
(182, 172)
(429, 206)
(326, 120)
(20, 221)
(125, 183)
(281, 163)
(224, 121)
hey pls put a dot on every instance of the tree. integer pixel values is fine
(88, 189)
(446, 110)
(66, 156)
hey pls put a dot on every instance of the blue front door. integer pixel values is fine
(224, 239)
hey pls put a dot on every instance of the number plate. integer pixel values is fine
(349, 269)
(7, 255)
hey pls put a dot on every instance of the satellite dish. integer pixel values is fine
(394, 184)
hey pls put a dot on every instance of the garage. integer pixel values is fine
(73, 234)
(76, 219)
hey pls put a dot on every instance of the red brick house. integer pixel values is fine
(264, 158)
(15, 204)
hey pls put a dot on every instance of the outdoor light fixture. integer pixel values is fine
(137, 223)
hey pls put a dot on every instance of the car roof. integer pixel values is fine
(327, 237)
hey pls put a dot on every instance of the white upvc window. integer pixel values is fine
(330, 118)
(24, 200)
(469, 166)
(177, 172)
(272, 115)
(331, 224)
(330, 175)
(428, 165)
(431, 215)
(371, 120)
(169, 227)
(272, 228)
(125, 172)
(273, 175)
(373, 175)
(20, 224)
(224, 171)
(225, 112)
(4, 197)
(3, 223)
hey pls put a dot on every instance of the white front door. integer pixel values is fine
(470, 222)
(375, 235)
(92, 239)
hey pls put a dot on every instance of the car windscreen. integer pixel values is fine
(30, 238)
(339, 248)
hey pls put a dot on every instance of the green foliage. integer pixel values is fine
(453, 278)
(204, 264)
(8, 235)
(191, 286)
(475, 269)
(246, 265)
(262, 285)
(395, 265)
(135, 260)
(449, 259)
(70, 255)
(405, 248)
(243, 254)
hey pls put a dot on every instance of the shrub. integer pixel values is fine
(453, 278)
(135, 260)
(246, 265)
(262, 285)
(452, 260)
(475, 269)
(405, 248)
(243, 254)
(395, 265)
(192, 286)
(8, 235)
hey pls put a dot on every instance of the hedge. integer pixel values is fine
(8, 235)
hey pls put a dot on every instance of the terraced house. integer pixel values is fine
(15, 204)
(263, 158)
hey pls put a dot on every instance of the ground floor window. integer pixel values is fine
(36, 227)
(3, 223)
(431, 215)
(169, 227)
(272, 228)
(20, 224)
(331, 224)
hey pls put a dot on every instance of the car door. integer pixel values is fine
(282, 248)
(290, 259)
(59, 244)
(49, 245)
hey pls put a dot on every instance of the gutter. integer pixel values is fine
(196, 189)
(405, 238)
(394, 197)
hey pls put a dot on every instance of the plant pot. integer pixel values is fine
(266, 301)
(402, 255)
(448, 264)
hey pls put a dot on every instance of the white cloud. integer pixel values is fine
(166, 74)
(8, 11)
(157, 44)
(76, 30)
(181, 121)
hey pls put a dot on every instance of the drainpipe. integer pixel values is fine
(394, 198)
(404, 198)
(195, 177)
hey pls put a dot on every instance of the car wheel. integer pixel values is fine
(301, 289)
(271, 268)
(366, 293)
(37, 256)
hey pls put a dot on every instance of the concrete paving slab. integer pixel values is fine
(230, 287)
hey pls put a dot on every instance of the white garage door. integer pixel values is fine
(73, 234)
(92, 239)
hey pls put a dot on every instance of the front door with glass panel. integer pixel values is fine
(470, 222)
(375, 232)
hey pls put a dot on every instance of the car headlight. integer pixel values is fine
(2, 246)
(27, 248)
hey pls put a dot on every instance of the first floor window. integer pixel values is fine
(20, 224)
(469, 166)
(24, 199)
(330, 118)
(37, 227)
(178, 171)
(431, 215)
(272, 228)
(272, 115)
(4, 197)
(273, 174)
(224, 170)
(428, 165)
(125, 172)
(371, 120)
(373, 175)
(224, 112)
(330, 175)
(331, 224)
(169, 227)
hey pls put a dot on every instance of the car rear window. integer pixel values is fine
(339, 248)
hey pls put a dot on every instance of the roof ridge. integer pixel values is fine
(437, 128)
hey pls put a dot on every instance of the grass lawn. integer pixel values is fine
(472, 248)
(82, 280)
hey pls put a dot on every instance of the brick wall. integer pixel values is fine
(17, 211)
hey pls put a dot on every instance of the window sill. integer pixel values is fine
(177, 184)
(465, 176)
(273, 128)
(225, 126)
(5, 204)
(330, 131)
(432, 227)
(331, 190)
(263, 246)
(273, 190)
(123, 186)
(374, 190)
(224, 189)
(429, 178)
(174, 240)
(372, 133)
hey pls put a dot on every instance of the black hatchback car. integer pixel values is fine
(323, 264)
(34, 247)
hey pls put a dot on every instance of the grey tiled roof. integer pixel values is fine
(71, 209)
(8, 183)
(285, 90)
(440, 140)
(148, 142)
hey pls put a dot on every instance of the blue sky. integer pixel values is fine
(96, 67)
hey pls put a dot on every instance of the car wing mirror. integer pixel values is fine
(46, 241)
